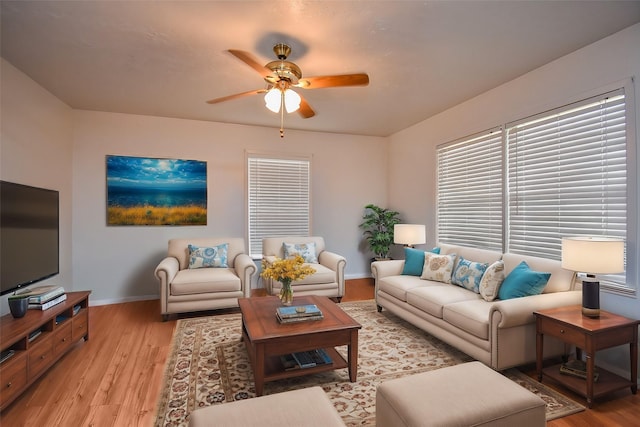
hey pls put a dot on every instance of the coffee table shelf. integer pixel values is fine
(275, 371)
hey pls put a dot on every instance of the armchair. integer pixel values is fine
(328, 280)
(184, 289)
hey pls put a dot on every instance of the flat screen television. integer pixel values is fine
(29, 235)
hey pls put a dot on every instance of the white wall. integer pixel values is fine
(36, 149)
(117, 262)
(588, 71)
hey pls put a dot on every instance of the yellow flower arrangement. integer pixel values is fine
(286, 271)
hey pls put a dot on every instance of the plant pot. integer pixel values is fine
(18, 307)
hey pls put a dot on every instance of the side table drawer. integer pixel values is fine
(567, 334)
(14, 377)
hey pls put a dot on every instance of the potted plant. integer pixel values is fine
(378, 229)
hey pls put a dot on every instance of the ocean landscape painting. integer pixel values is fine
(148, 191)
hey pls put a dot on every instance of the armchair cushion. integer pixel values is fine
(204, 280)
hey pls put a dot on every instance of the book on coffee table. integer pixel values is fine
(299, 318)
(298, 311)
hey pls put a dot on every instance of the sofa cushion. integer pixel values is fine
(433, 297)
(208, 256)
(306, 250)
(522, 282)
(438, 267)
(414, 261)
(397, 286)
(205, 280)
(470, 316)
(468, 274)
(491, 281)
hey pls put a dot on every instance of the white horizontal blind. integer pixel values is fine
(279, 199)
(567, 176)
(470, 192)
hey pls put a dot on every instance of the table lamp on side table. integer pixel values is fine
(409, 234)
(592, 255)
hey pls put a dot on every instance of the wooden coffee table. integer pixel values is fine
(267, 339)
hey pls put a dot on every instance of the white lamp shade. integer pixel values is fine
(291, 100)
(273, 100)
(409, 234)
(593, 255)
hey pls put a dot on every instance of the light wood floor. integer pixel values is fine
(114, 379)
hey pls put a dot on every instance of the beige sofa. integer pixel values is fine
(328, 280)
(185, 290)
(499, 333)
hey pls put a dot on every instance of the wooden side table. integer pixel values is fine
(588, 335)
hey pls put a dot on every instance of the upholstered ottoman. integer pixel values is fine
(470, 394)
(304, 407)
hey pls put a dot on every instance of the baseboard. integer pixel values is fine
(94, 302)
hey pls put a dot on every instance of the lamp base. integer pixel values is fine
(590, 298)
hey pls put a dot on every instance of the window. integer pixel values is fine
(278, 198)
(470, 191)
(565, 174)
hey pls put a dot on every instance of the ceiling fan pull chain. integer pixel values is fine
(282, 114)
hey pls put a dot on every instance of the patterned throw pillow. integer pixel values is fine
(468, 274)
(491, 281)
(438, 267)
(305, 250)
(205, 257)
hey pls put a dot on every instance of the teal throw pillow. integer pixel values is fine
(205, 257)
(414, 261)
(522, 282)
(468, 274)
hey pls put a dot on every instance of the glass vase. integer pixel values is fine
(286, 293)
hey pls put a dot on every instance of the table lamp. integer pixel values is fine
(592, 255)
(409, 234)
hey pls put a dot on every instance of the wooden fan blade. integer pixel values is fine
(334, 81)
(248, 59)
(305, 109)
(237, 95)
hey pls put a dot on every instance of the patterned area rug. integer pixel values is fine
(209, 365)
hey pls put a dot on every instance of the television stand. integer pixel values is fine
(32, 344)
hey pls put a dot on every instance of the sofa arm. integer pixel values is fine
(381, 269)
(245, 269)
(335, 263)
(519, 311)
(167, 270)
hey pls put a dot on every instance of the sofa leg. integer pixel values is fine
(379, 308)
(339, 299)
(165, 317)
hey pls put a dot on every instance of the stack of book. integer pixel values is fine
(298, 313)
(44, 297)
(305, 359)
(577, 368)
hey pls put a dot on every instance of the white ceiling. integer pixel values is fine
(166, 58)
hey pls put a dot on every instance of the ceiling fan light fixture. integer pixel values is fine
(273, 100)
(291, 100)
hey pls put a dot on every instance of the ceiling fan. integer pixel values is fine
(281, 76)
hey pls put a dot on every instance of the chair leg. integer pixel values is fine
(339, 299)
(379, 309)
(165, 317)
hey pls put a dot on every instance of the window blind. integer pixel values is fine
(470, 192)
(279, 199)
(567, 176)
